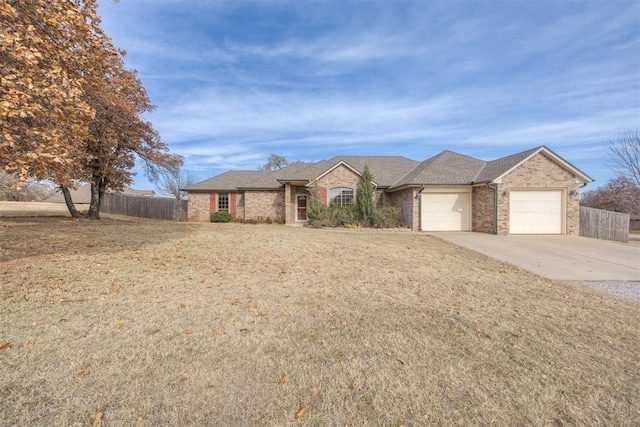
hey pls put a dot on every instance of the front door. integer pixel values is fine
(302, 208)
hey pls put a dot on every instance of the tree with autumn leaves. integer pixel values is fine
(69, 109)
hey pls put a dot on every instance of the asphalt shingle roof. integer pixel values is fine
(496, 168)
(385, 169)
(446, 168)
(232, 180)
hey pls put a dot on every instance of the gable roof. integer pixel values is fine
(499, 167)
(385, 169)
(496, 169)
(446, 168)
(233, 180)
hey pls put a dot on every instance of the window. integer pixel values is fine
(341, 196)
(223, 202)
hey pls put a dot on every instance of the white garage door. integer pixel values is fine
(535, 212)
(445, 211)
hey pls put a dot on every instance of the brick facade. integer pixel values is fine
(540, 172)
(482, 208)
(202, 205)
(341, 176)
(260, 205)
(198, 207)
(407, 203)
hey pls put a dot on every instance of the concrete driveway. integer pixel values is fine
(556, 257)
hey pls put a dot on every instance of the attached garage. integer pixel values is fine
(535, 212)
(450, 211)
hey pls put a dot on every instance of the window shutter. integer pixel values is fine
(232, 204)
(323, 195)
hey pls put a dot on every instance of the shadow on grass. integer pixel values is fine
(28, 236)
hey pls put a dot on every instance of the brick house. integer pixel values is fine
(532, 192)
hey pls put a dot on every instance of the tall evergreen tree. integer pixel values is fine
(366, 191)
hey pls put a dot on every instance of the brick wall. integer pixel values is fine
(540, 172)
(482, 206)
(406, 202)
(198, 207)
(202, 205)
(260, 205)
(341, 176)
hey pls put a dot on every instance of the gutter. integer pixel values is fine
(495, 208)
(420, 207)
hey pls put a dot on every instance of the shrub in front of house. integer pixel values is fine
(221, 217)
(332, 216)
(386, 217)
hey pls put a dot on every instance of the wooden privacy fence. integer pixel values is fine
(606, 225)
(144, 207)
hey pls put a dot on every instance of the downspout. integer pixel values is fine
(495, 208)
(420, 208)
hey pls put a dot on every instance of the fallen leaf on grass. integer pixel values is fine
(82, 371)
(302, 411)
(97, 418)
(119, 325)
(5, 346)
(284, 379)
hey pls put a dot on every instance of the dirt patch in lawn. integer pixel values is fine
(157, 323)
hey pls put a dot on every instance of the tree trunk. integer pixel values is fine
(94, 205)
(67, 199)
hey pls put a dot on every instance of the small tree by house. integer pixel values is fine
(366, 191)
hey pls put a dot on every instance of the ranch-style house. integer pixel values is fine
(532, 192)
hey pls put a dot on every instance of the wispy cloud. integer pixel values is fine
(235, 81)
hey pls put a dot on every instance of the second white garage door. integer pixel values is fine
(445, 211)
(535, 212)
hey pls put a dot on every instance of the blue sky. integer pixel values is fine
(234, 81)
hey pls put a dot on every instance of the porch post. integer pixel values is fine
(287, 205)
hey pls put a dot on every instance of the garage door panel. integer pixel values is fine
(535, 212)
(445, 211)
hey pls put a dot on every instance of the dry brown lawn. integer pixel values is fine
(136, 323)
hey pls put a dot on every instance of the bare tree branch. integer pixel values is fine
(171, 182)
(624, 155)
